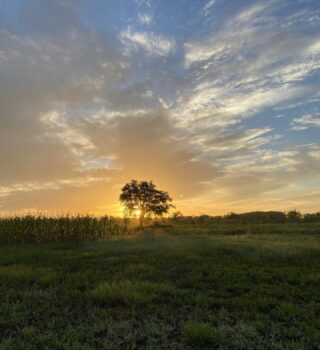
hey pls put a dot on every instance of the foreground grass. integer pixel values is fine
(163, 291)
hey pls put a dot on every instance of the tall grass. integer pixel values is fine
(38, 229)
(41, 228)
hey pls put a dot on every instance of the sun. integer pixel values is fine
(138, 212)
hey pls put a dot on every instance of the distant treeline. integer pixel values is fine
(254, 217)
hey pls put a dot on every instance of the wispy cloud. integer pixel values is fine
(207, 7)
(155, 45)
(304, 122)
(145, 18)
(85, 181)
(58, 126)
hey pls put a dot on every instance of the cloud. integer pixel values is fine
(235, 33)
(43, 78)
(57, 126)
(86, 104)
(68, 198)
(265, 180)
(37, 186)
(155, 45)
(207, 7)
(304, 122)
(251, 48)
(148, 146)
(249, 13)
(145, 19)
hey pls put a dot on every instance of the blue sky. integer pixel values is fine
(216, 101)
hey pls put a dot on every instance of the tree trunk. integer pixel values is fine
(141, 219)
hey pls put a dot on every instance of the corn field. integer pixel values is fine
(38, 229)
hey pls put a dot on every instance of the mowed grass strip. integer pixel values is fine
(163, 291)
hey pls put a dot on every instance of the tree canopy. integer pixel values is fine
(145, 198)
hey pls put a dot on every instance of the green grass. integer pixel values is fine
(163, 290)
(130, 293)
(200, 334)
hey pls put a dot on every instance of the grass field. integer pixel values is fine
(164, 289)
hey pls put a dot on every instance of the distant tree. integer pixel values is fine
(231, 217)
(143, 198)
(294, 216)
(176, 215)
(309, 218)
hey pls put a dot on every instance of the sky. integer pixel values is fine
(216, 101)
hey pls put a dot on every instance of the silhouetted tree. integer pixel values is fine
(294, 216)
(176, 215)
(310, 218)
(144, 197)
